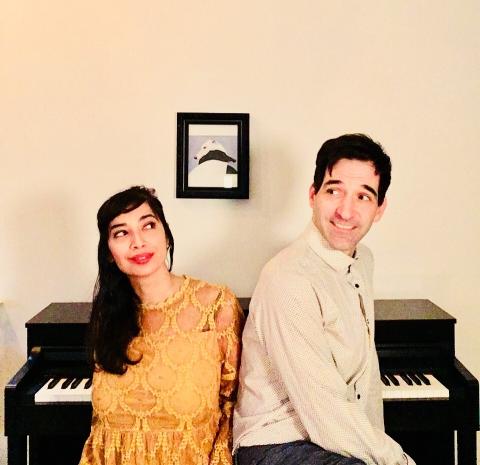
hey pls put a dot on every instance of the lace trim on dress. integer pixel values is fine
(170, 299)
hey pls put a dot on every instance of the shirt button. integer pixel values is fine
(358, 396)
(357, 285)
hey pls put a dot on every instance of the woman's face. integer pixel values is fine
(137, 242)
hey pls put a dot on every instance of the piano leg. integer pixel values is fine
(55, 449)
(467, 447)
(17, 450)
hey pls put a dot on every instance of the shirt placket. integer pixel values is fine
(357, 285)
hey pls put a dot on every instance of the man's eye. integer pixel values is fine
(331, 191)
(365, 197)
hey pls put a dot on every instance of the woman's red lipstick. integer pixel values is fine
(141, 259)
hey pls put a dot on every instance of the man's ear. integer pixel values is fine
(311, 195)
(380, 210)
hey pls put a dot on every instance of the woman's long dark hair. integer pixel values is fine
(115, 310)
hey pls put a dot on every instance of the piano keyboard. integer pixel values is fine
(65, 390)
(398, 386)
(412, 386)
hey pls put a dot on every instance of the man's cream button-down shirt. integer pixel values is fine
(309, 367)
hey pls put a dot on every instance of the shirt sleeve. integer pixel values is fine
(229, 323)
(288, 314)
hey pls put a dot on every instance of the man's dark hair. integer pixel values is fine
(353, 147)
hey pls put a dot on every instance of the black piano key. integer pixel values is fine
(88, 383)
(415, 378)
(66, 383)
(424, 379)
(392, 379)
(75, 383)
(406, 379)
(385, 380)
(53, 382)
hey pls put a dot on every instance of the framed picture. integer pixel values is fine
(212, 155)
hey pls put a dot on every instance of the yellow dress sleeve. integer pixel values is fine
(229, 324)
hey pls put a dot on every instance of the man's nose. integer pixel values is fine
(346, 208)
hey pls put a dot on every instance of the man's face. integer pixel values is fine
(346, 204)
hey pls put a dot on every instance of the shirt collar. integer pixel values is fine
(336, 259)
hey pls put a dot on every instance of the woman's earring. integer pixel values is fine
(167, 257)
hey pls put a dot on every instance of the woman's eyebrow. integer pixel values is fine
(122, 225)
(118, 225)
(148, 215)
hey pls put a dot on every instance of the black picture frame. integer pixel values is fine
(213, 155)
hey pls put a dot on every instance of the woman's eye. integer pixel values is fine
(119, 233)
(150, 225)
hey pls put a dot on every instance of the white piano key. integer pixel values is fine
(57, 394)
(435, 391)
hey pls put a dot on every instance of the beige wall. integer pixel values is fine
(89, 93)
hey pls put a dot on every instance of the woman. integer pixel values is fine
(165, 348)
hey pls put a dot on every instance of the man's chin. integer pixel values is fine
(344, 246)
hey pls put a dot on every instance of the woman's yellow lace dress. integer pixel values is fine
(175, 406)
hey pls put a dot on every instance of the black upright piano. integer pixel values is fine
(415, 340)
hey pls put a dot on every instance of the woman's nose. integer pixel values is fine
(137, 240)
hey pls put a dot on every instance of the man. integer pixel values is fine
(310, 389)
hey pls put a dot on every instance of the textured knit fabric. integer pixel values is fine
(175, 406)
(309, 367)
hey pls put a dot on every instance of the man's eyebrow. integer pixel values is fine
(121, 225)
(370, 189)
(332, 182)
